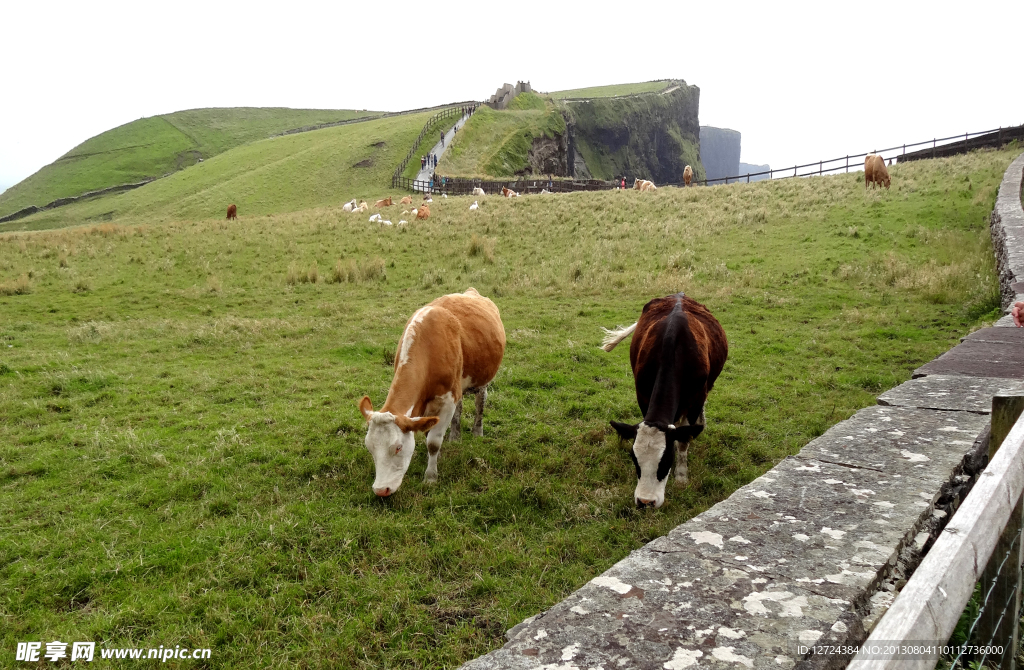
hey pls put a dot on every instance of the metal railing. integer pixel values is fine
(431, 123)
(981, 545)
(949, 145)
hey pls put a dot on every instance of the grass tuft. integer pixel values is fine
(19, 286)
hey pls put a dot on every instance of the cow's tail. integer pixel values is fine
(613, 337)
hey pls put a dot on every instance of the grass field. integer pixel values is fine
(156, 145)
(314, 169)
(613, 90)
(496, 144)
(181, 457)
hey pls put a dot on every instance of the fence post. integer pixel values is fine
(904, 151)
(994, 624)
(748, 177)
(794, 170)
(819, 168)
(847, 163)
(933, 147)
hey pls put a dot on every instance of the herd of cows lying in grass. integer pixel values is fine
(455, 345)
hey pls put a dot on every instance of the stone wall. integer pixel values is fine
(815, 550)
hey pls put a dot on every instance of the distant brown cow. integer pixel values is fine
(423, 212)
(232, 212)
(687, 175)
(407, 200)
(509, 193)
(875, 172)
(386, 202)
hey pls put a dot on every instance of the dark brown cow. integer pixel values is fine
(677, 353)
(232, 212)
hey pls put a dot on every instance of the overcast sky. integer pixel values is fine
(801, 81)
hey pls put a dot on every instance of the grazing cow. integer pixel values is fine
(386, 202)
(407, 200)
(677, 353)
(423, 212)
(687, 175)
(508, 193)
(452, 346)
(644, 185)
(875, 172)
(478, 191)
(232, 212)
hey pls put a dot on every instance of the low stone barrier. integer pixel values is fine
(813, 552)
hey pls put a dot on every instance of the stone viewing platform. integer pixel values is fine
(815, 550)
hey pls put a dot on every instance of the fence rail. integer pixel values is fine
(950, 145)
(936, 147)
(981, 544)
(431, 123)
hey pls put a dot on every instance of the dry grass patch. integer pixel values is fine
(19, 286)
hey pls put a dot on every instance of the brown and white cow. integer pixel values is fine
(385, 202)
(422, 212)
(508, 193)
(677, 353)
(644, 185)
(407, 200)
(687, 175)
(452, 346)
(875, 172)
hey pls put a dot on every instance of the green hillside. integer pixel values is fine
(281, 174)
(613, 90)
(497, 143)
(181, 457)
(154, 146)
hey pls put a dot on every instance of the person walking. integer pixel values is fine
(442, 138)
(423, 162)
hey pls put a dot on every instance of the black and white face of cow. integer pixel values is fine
(654, 455)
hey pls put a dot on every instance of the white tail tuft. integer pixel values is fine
(613, 337)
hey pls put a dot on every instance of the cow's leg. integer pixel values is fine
(434, 438)
(456, 434)
(682, 469)
(478, 423)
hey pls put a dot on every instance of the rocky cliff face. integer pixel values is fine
(651, 136)
(548, 156)
(720, 152)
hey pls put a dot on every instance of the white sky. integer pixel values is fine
(801, 81)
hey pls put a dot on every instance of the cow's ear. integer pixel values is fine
(626, 431)
(366, 407)
(419, 425)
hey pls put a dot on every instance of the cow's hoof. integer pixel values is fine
(682, 480)
(479, 432)
(430, 478)
(455, 437)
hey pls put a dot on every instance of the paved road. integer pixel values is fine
(438, 150)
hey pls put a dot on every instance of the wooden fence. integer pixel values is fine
(954, 144)
(936, 147)
(521, 185)
(431, 123)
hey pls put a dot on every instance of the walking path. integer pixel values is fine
(814, 551)
(427, 173)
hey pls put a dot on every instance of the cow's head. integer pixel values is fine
(654, 455)
(636, 182)
(886, 181)
(391, 439)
